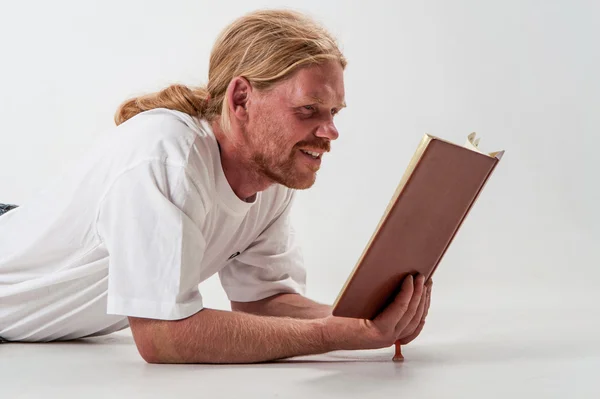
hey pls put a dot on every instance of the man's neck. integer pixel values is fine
(244, 180)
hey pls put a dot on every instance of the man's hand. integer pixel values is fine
(400, 320)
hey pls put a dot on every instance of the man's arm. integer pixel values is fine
(216, 336)
(285, 305)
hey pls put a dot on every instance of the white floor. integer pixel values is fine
(533, 353)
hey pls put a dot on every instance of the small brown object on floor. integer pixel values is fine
(398, 357)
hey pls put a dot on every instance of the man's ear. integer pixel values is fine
(238, 93)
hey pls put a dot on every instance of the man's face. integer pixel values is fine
(294, 117)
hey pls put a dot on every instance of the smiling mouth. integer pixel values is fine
(314, 155)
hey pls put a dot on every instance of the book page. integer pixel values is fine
(473, 144)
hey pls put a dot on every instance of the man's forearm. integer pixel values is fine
(215, 336)
(286, 305)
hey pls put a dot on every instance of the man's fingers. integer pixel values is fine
(412, 306)
(428, 302)
(416, 319)
(408, 338)
(415, 334)
(429, 283)
(399, 306)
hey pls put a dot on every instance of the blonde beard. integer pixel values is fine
(267, 164)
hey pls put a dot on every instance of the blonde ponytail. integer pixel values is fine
(176, 97)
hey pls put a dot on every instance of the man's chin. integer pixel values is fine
(302, 184)
(299, 181)
(295, 176)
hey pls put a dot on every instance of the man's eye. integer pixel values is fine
(309, 107)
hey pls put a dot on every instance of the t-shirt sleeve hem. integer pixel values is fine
(153, 310)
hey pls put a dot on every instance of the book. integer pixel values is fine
(439, 187)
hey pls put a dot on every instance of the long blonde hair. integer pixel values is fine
(264, 47)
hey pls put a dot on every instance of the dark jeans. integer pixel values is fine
(3, 209)
(6, 207)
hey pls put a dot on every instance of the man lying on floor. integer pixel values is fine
(193, 182)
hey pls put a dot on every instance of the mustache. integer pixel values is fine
(324, 145)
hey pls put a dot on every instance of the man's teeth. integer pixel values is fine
(313, 154)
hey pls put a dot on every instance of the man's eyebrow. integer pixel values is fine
(320, 101)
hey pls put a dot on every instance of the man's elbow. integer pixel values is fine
(149, 355)
(144, 335)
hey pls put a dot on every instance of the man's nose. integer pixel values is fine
(328, 130)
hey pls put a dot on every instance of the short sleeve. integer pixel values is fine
(150, 221)
(272, 264)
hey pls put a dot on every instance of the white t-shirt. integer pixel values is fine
(133, 228)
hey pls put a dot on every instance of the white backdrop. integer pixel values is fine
(522, 74)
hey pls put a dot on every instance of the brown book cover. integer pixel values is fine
(435, 194)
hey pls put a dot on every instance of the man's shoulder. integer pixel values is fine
(162, 133)
(163, 136)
